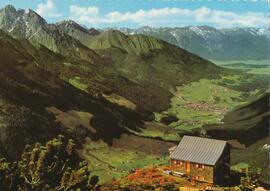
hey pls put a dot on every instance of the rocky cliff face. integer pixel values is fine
(27, 24)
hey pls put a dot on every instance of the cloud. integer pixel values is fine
(47, 9)
(172, 17)
(84, 11)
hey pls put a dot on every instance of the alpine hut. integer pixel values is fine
(201, 159)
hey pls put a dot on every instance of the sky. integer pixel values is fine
(154, 13)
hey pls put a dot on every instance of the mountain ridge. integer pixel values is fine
(212, 43)
(27, 24)
(206, 41)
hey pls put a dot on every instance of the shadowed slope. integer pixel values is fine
(247, 124)
(27, 89)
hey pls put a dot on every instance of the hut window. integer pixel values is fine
(178, 163)
(200, 166)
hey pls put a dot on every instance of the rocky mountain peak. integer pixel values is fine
(93, 31)
(10, 18)
(9, 8)
(67, 25)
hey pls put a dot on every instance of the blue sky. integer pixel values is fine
(156, 13)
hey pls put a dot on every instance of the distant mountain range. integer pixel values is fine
(212, 43)
(205, 41)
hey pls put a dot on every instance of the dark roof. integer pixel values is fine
(199, 150)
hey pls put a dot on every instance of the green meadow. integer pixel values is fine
(110, 163)
(202, 102)
(249, 66)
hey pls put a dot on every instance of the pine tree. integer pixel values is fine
(54, 166)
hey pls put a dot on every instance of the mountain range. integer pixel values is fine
(215, 44)
(27, 24)
(143, 60)
(53, 69)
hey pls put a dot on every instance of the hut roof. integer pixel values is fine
(199, 150)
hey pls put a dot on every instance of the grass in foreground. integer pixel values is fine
(113, 163)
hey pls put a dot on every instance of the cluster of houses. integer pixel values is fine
(201, 159)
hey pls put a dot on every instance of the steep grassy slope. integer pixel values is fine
(148, 60)
(247, 124)
(140, 57)
(28, 90)
(138, 44)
